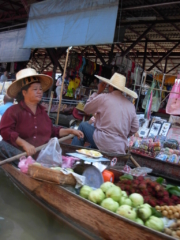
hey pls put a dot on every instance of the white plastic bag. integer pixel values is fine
(51, 155)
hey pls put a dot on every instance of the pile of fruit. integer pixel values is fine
(171, 212)
(174, 230)
(112, 198)
(152, 192)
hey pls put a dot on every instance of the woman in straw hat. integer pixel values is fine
(115, 117)
(26, 125)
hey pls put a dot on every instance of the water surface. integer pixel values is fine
(23, 219)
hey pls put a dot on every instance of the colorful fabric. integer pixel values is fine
(76, 82)
(71, 86)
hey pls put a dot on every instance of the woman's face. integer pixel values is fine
(34, 93)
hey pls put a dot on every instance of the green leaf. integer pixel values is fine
(169, 186)
(174, 190)
(126, 176)
(160, 180)
(156, 213)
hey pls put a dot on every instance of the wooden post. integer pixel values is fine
(50, 102)
(60, 98)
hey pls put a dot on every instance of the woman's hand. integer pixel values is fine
(67, 131)
(29, 149)
(78, 133)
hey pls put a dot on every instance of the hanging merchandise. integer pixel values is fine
(121, 62)
(83, 64)
(137, 75)
(79, 63)
(129, 66)
(156, 98)
(173, 105)
(88, 67)
(74, 61)
(147, 113)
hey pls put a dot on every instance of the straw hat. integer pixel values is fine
(26, 77)
(80, 106)
(118, 81)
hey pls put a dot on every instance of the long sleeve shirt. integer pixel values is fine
(115, 120)
(20, 121)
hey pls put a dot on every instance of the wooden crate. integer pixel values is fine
(51, 175)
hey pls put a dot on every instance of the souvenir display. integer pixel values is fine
(164, 129)
(160, 141)
(154, 130)
(143, 132)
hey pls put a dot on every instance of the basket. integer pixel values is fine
(51, 175)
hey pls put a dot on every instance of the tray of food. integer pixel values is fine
(90, 153)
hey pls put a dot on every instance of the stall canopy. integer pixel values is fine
(11, 46)
(61, 23)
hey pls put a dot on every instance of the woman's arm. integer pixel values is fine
(28, 148)
(65, 132)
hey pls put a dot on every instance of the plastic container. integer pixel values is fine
(108, 176)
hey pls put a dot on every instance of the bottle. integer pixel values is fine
(108, 176)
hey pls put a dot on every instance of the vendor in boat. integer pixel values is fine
(26, 125)
(116, 118)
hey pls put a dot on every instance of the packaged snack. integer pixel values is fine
(168, 151)
(171, 143)
(177, 152)
(143, 147)
(136, 144)
(173, 158)
(162, 157)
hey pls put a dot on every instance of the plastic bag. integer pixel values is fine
(51, 155)
(68, 162)
(139, 171)
(173, 105)
(24, 163)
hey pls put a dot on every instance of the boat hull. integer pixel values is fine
(164, 169)
(98, 223)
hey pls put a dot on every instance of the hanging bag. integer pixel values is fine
(173, 105)
(156, 98)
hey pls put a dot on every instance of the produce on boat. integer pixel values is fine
(174, 229)
(152, 192)
(115, 198)
(95, 221)
(138, 212)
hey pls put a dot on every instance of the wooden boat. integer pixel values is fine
(164, 169)
(90, 219)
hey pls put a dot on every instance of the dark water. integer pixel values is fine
(22, 219)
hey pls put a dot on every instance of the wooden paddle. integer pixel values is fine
(37, 149)
(134, 162)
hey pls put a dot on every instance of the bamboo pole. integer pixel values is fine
(50, 102)
(60, 99)
(37, 149)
